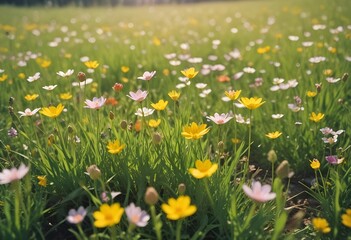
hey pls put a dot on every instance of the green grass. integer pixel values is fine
(140, 38)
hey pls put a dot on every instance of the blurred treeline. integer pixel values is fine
(88, 3)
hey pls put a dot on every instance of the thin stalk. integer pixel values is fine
(179, 230)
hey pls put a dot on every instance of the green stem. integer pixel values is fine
(246, 167)
(208, 192)
(179, 230)
(249, 216)
(17, 200)
(157, 226)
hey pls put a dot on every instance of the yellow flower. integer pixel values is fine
(3, 77)
(154, 123)
(65, 96)
(115, 147)
(311, 94)
(125, 69)
(236, 140)
(156, 41)
(52, 112)
(316, 117)
(232, 95)
(32, 97)
(315, 164)
(178, 208)
(203, 169)
(190, 72)
(346, 218)
(321, 225)
(263, 50)
(251, 103)
(273, 135)
(195, 131)
(327, 72)
(22, 75)
(44, 63)
(42, 181)
(161, 105)
(91, 64)
(108, 215)
(174, 95)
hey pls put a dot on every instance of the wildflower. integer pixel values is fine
(43, 62)
(76, 216)
(138, 96)
(240, 119)
(151, 196)
(3, 77)
(28, 112)
(91, 64)
(156, 138)
(52, 111)
(273, 135)
(33, 78)
(65, 74)
(21, 75)
(94, 172)
(259, 193)
(105, 196)
(147, 76)
(125, 69)
(315, 164)
(108, 215)
(12, 132)
(346, 218)
(50, 87)
(42, 181)
(232, 95)
(111, 101)
(144, 112)
(311, 94)
(277, 116)
(321, 225)
(136, 216)
(13, 174)
(115, 147)
(174, 95)
(189, 73)
(316, 117)
(96, 103)
(334, 160)
(117, 87)
(154, 123)
(81, 77)
(251, 103)
(220, 119)
(160, 105)
(178, 208)
(65, 96)
(194, 131)
(203, 169)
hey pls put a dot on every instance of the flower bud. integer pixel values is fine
(124, 125)
(282, 170)
(117, 87)
(11, 100)
(94, 172)
(221, 146)
(70, 129)
(181, 188)
(81, 77)
(151, 196)
(156, 138)
(344, 77)
(111, 115)
(272, 156)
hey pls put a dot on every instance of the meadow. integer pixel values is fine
(222, 120)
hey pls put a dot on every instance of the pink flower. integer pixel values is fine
(13, 174)
(147, 76)
(96, 103)
(76, 217)
(136, 216)
(138, 96)
(220, 119)
(105, 196)
(28, 112)
(259, 193)
(334, 160)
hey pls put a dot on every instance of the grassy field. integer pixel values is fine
(256, 83)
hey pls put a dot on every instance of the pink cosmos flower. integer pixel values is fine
(76, 217)
(259, 193)
(138, 96)
(96, 103)
(13, 174)
(334, 160)
(220, 119)
(28, 112)
(136, 216)
(147, 76)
